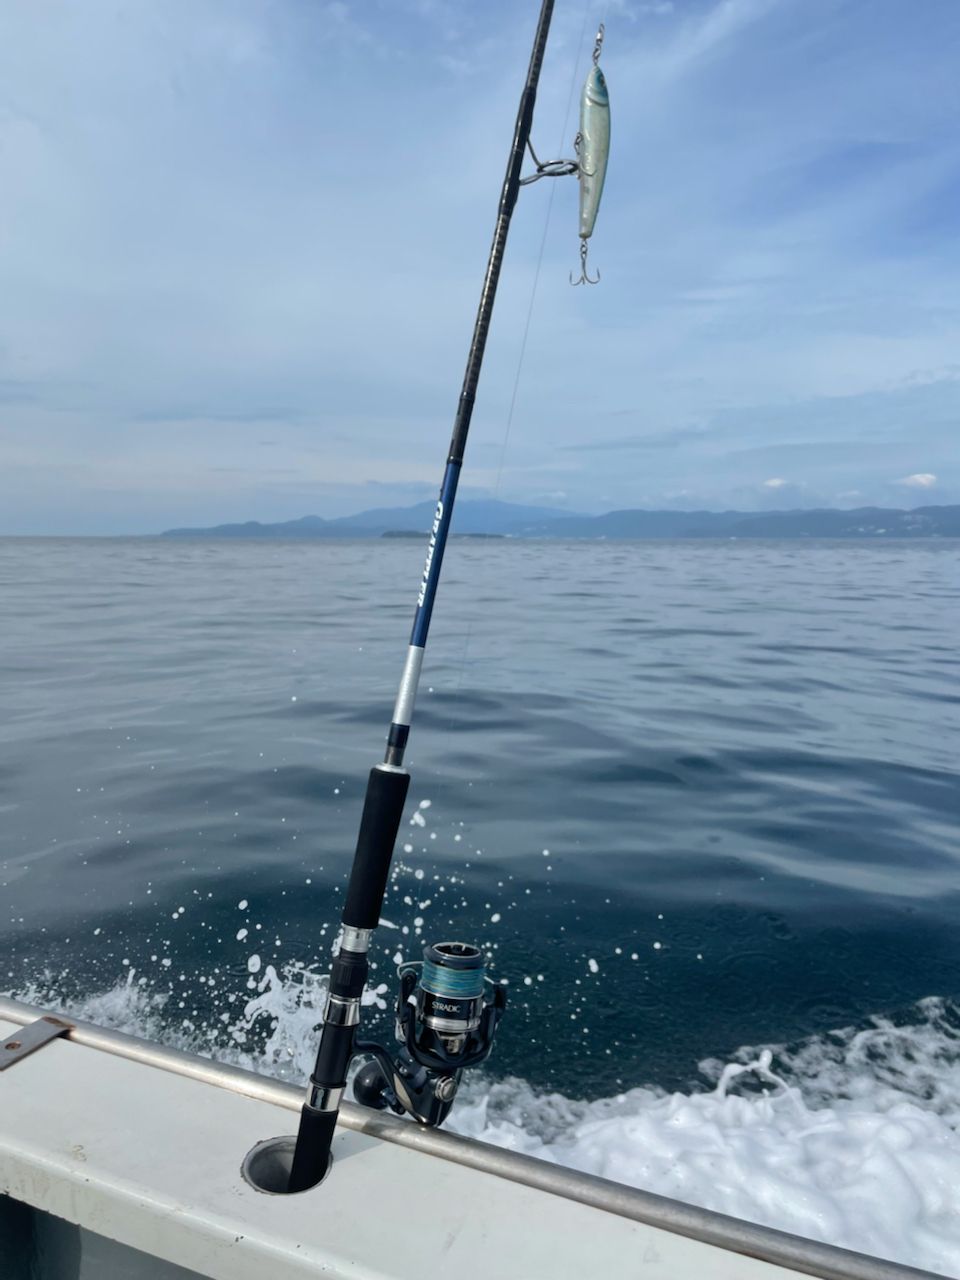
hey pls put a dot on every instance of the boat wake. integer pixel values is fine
(872, 1167)
(849, 1137)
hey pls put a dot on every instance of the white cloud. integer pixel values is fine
(921, 480)
(775, 482)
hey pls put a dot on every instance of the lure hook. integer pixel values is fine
(598, 45)
(585, 278)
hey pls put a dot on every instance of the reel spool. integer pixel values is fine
(446, 1018)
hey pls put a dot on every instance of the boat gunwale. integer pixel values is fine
(720, 1230)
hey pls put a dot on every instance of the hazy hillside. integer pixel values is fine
(507, 519)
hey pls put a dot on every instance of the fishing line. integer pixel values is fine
(543, 243)
(526, 328)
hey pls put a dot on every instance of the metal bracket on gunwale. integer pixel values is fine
(31, 1037)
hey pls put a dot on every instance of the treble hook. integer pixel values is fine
(584, 277)
(598, 44)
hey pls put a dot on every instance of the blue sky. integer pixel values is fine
(241, 244)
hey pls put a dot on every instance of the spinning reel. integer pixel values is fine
(447, 1015)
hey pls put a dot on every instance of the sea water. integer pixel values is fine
(697, 801)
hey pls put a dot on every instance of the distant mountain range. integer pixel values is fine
(510, 520)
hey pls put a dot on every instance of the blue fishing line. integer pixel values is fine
(454, 984)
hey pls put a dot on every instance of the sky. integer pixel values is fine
(242, 242)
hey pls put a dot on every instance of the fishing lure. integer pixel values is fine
(593, 148)
(592, 145)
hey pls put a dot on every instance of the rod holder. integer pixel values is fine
(266, 1167)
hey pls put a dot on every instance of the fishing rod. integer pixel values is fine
(447, 1009)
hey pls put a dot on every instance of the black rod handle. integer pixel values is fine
(379, 824)
(382, 811)
(311, 1158)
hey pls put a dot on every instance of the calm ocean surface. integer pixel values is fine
(691, 795)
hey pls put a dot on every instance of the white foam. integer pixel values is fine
(859, 1148)
(879, 1182)
(849, 1138)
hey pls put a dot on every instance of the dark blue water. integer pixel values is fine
(690, 795)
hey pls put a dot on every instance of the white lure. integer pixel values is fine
(594, 147)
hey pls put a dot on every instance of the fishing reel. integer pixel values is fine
(447, 1015)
